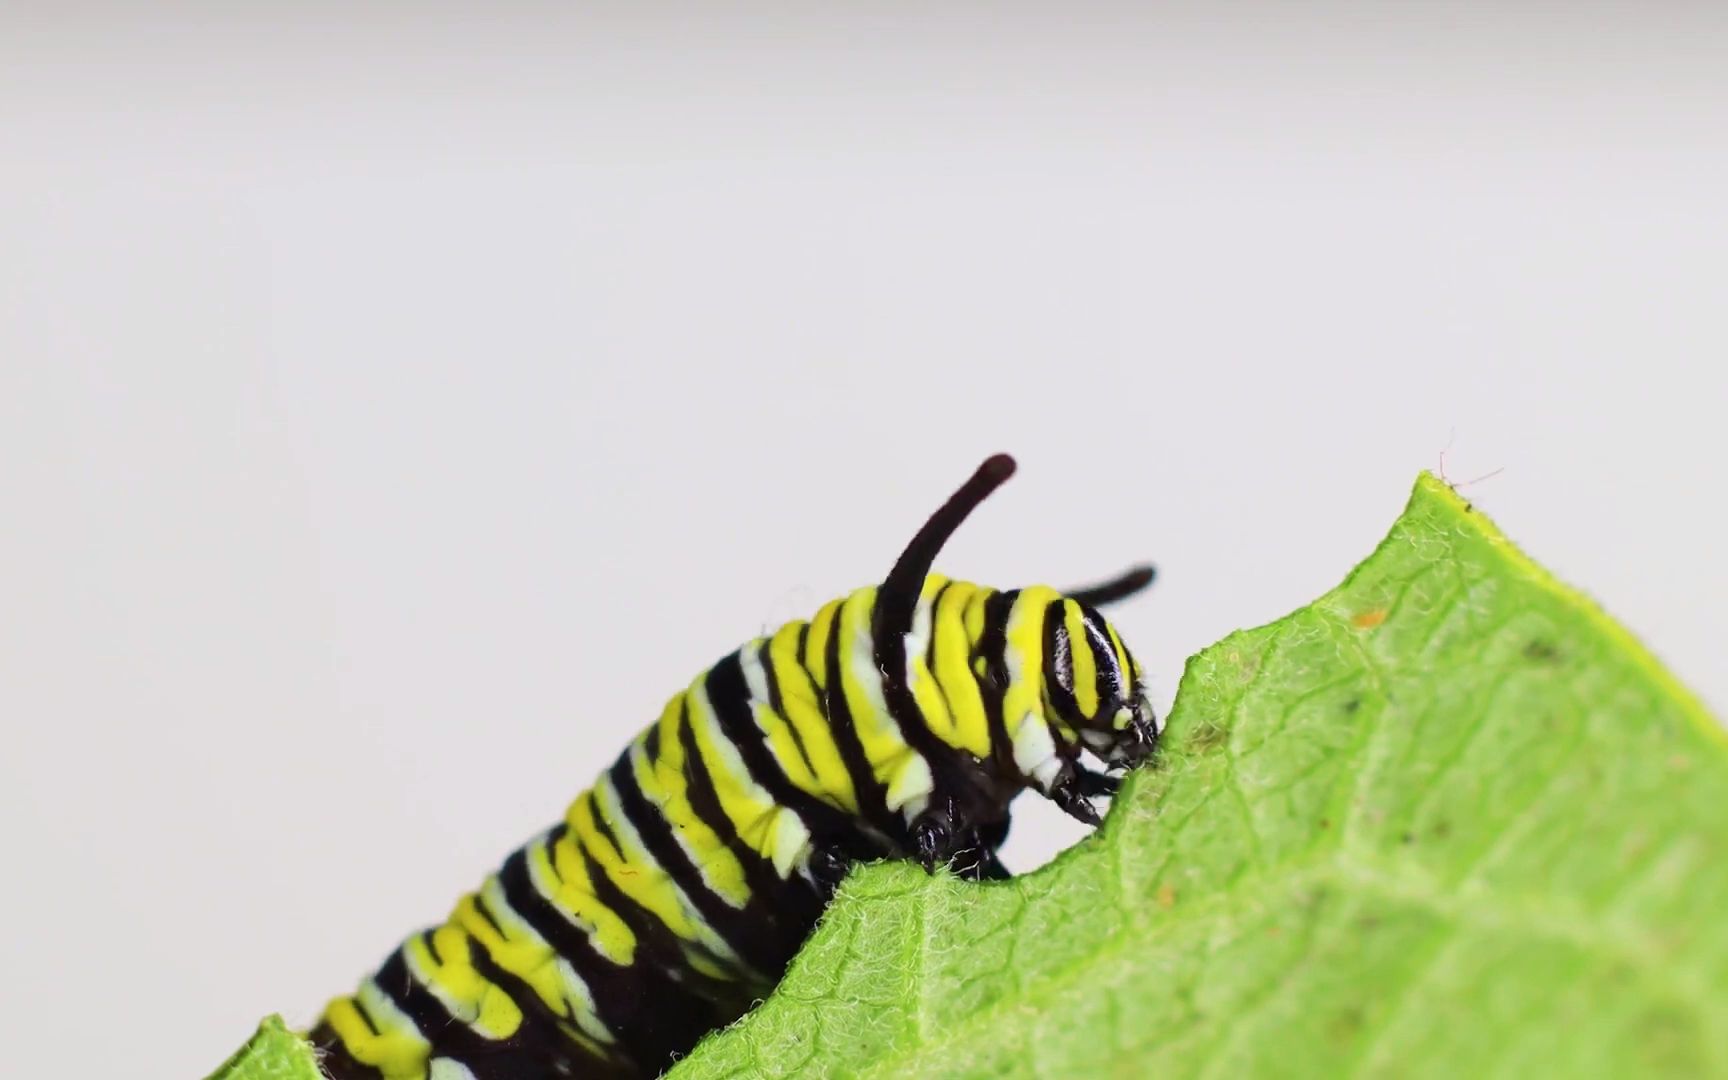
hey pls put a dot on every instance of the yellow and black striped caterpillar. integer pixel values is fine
(898, 723)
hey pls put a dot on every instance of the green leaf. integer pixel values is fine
(274, 1053)
(1448, 820)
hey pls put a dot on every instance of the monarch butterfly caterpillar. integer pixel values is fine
(898, 723)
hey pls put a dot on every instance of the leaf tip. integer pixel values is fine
(275, 1052)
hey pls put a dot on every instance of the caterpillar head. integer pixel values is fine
(1058, 657)
(1093, 686)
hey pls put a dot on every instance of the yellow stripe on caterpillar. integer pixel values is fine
(1085, 660)
(664, 785)
(805, 712)
(969, 724)
(396, 1049)
(451, 978)
(563, 880)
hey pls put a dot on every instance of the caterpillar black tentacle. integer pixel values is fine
(899, 722)
(1119, 588)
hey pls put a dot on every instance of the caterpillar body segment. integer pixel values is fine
(899, 722)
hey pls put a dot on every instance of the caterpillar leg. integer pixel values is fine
(976, 860)
(829, 865)
(933, 838)
(1093, 784)
(1072, 790)
(979, 864)
(971, 854)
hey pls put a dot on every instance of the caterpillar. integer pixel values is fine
(897, 723)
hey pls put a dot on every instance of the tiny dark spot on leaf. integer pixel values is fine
(1346, 1024)
(1325, 823)
(1542, 652)
(1443, 829)
(1669, 1040)
(1408, 838)
(1353, 704)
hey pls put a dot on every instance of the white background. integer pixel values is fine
(395, 408)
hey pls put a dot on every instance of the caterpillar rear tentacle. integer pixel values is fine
(899, 722)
